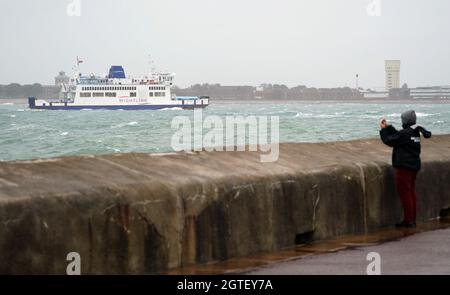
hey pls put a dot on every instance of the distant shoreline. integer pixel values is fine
(396, 101)
(13, 100)
(287, 101)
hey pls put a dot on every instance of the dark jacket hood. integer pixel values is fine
(409, 119)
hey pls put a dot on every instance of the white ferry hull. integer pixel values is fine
(181, 104)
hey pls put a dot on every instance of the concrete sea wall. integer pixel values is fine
(141, 213)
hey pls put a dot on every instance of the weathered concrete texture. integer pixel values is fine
(421, 254)
(139, 213)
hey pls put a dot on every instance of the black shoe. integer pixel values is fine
(411, 225)
(405, 224)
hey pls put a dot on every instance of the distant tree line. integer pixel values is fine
(216, 91)
(268, 92)
(15, 90)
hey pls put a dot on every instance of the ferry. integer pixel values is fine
(116, 91)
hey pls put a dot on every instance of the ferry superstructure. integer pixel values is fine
(117, 91)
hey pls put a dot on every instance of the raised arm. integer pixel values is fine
(392, 137)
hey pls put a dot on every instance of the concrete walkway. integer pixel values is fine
(426, 253)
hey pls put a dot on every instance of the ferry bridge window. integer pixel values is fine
(150, 94)
(85, 94)
(98, 94)
(132, 94)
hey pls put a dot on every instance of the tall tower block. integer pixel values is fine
(392, 68)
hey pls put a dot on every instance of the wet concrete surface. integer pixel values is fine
(426, 253)
(424, 250)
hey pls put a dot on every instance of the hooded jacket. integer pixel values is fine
(406, 142)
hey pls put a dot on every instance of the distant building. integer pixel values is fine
(436, 92)
(392, 69)
(61, 79)
(403, 92)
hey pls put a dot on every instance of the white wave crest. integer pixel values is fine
(171, 109)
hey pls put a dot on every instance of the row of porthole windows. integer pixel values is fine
(156, 94)
(156, 88)
(113, 94)
(100, 94)
(114, 88)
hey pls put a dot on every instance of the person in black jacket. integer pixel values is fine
(406, 161)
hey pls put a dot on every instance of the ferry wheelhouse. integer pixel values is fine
(117, 91)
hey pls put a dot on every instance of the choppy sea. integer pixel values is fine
(31, 134)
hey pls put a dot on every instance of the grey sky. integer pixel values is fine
(321, 43)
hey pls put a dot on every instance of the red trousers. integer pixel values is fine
(406, 186)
